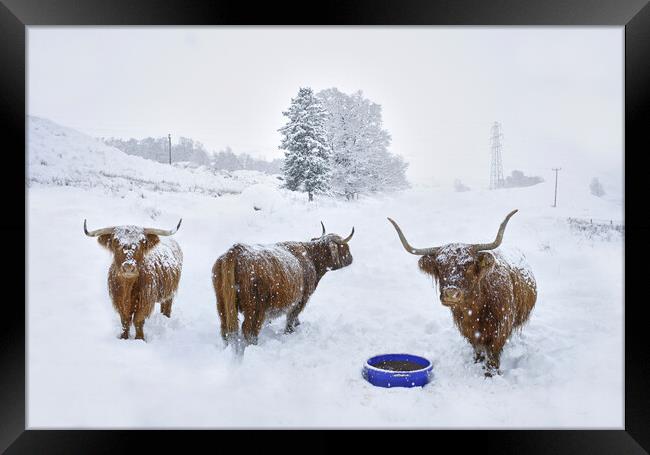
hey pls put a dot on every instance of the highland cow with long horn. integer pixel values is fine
(266, 281)
(145, 270)
(488, 293)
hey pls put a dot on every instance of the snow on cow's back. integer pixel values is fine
(166, 253)
(515, 259)
(282, 255)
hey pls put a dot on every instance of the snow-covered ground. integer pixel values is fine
(565, 370)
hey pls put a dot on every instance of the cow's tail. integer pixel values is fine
(225, 285)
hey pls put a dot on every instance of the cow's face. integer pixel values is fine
(332, 251)
(458, 270)
(338, 255)
(129, 244)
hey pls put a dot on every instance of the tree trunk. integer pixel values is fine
(311, 196)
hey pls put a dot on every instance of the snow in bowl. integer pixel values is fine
(397, 370)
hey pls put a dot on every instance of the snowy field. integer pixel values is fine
(565, 369)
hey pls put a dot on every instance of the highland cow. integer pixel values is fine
(145, 270)
(264, 282)
(489, 294)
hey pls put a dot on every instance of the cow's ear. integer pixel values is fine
(427, 264)
(104, 240)
(485, 260)
(152, 240)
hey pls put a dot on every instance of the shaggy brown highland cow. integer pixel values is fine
(267, 281)
(489, 295)
(145, 270)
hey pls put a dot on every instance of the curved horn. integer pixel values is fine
(96, 232)
(322, 235)
(409, 248)
(347, 239)
(497, 241)
(162, 232)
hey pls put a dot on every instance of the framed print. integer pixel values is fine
(405, 216)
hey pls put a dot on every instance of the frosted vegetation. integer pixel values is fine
(519, 179)
(192, 153)
(564, 370)
(335, 144)
(596, 187)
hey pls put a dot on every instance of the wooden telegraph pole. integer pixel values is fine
(556, 169)
(169, 136)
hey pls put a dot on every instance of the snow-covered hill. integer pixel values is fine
(58, 155)
(565, 370)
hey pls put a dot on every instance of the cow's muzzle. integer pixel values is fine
(129, 270)
(451, 296)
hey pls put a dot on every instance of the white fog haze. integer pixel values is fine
(557, 91)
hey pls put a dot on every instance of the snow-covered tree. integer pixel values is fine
(519, 179)
(225, 160)
(194, 152)
(307, 153)
(360, 158)
(596, 187)
(157, 149)
(459, 186)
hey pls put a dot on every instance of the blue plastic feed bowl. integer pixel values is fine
(397, 370)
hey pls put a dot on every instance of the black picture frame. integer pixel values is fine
(16, 15)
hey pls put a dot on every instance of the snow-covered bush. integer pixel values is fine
(596, 187)
(458, 186)
(519, 179)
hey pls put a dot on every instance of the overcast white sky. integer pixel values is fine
(557, 91)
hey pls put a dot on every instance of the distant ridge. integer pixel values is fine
(61, 156)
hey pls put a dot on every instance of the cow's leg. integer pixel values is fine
(252, 325)
(138, 322)
(126, 325)
(139, 330)
(492, 365)
(166, 307)
(226, 335)
(494, 358)
(292, 316)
